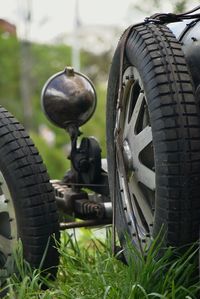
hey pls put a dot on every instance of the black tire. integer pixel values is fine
(154, 61)
(30, 206)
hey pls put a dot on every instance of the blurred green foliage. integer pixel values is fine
(53, 157)
(10, 74)
(46, 60)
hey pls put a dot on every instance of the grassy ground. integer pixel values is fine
(88, 270)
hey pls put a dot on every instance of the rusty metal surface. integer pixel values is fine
(85, 223)
(82, 205)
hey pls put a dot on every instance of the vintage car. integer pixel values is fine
(150, 181)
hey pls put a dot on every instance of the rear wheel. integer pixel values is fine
(27, 206)
(156, 136)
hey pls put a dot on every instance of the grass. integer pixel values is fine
(88, 270)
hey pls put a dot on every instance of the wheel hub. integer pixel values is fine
(128, 159)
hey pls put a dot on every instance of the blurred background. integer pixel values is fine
(39, 38)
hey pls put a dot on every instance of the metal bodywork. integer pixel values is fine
(188, 33)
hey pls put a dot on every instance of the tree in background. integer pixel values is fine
(49, 59)
(180, 6)
(152, 6)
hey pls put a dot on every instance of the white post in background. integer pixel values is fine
(76, 45)
(25, 7)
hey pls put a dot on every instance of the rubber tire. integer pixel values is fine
(31, 192)
(175, 121)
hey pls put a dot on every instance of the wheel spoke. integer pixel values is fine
(129, 128)
(137, 143)
(126, 121)
(142, 139)
(137, 218)
(3, 205)
(5, 245)
(139, 200)
(146, 176)
(133, 213)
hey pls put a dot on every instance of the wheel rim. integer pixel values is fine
(8, 230)
(137, 182)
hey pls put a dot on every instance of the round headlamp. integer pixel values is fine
(68, 97)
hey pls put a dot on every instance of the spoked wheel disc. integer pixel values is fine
(137, 181)
(153, 141)
(8, 230)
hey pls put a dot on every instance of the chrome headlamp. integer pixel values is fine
(68, 97)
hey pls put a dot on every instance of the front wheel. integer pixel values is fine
(27, 205)
(155, 135)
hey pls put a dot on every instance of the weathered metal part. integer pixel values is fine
(86, 223)
(108, 210)
(66, 197)
(79, 204)
(68, 97)
(86, 160)
(89, 209)
(86, 169)
(188, 33)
